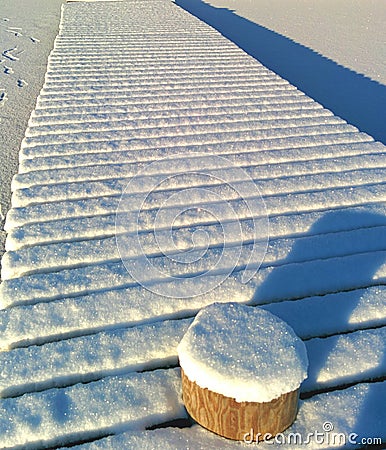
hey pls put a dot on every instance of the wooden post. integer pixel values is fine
(241, 370)
(234, 420)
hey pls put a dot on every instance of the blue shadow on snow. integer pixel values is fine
(354, 97)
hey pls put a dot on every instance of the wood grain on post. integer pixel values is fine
(233, 420)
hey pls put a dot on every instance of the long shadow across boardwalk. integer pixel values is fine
(354, 97)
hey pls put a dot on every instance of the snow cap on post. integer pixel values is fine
(243, 352)
(241, 369)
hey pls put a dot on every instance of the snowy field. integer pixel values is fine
(334, 51)
(350, 32)
(90, 329)
(27, 33)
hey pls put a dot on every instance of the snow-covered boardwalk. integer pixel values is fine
(87, 351)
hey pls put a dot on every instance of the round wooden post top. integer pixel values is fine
(241, 370)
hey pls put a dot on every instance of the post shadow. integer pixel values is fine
(352, 96)
(286, 283)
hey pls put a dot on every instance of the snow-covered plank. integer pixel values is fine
(123, 67)
(59, 416)
(168, 75)
(134, 46)
(287, 225)
(355, 271)
(88, 358)
(336, 313)
(185, 57)
(164, 186)
(301, 109)
(277, 204)
(263, 95)
(247, 155)
(262, 171)
(349, 418)
(333, 361)
(345, 359)
(130, 132)
(169, 88)
(140, 82)
(102, 296)
(310, 317)
(169, 122)
(88, 86)
(175, 105)
(52, 257)
(275, 138)
(301, 145)
(215, 61)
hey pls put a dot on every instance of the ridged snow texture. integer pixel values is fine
(129, 83)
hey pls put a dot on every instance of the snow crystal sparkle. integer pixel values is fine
(204, 188)
(243, 352)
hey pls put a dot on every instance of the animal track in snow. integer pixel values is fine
(3, 98)
(8, 54)
(14, 30)
(22, 83)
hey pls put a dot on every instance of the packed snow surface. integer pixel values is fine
(243, 352)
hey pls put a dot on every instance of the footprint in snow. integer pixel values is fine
(8, 70)
(15, 30)
(3, 98)
(22, 83)
(8, 54)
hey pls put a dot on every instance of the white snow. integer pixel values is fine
(27, 33)
(334, 313)
(332, 51)
(333, 361)
(243, 353)
(44, 322)
(195, 438)
(350, 33)
(339, 360)
(143, 82)
(355, 415)
(91, 357)
(95, 409)
(40, 258)
(103, 226)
